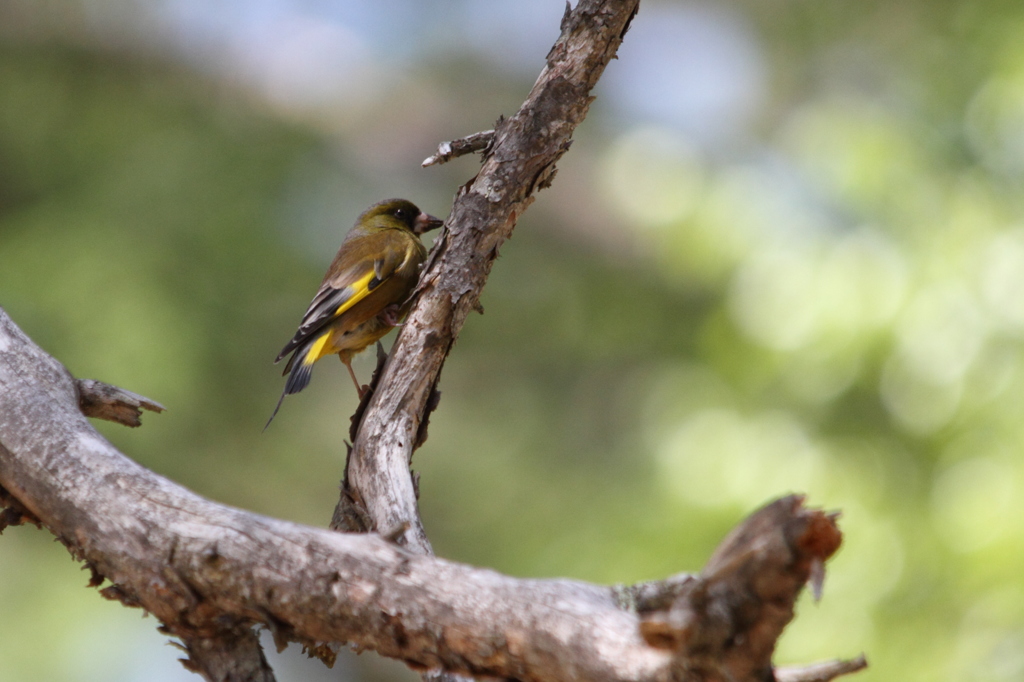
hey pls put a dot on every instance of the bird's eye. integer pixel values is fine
(401, 213)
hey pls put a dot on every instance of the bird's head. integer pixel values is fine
(398, 213)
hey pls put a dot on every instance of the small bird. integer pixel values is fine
(365, 293)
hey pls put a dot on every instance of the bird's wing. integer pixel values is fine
(342, 291)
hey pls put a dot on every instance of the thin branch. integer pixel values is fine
(820, 672)
(208, 571)
(103, 401)
(446, 151)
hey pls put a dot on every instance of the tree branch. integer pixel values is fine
(208, 571)
(446, 151)
(820, 672)
(103, 401)
(520, 160)
(233, 653)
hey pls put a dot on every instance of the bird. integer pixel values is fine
(365, 293)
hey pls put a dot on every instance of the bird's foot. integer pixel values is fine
(391, 315)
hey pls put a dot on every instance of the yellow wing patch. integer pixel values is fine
(360, 288)
(316, 351)
(320, 348)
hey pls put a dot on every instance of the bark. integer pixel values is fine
(231, 654)
(519, 160)
(452, 149)
(821, 672)
(103, 401)
(208, 571)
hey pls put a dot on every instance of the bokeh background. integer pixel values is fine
(786, 253)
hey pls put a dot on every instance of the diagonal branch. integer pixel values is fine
(209, 571)
(519, 161)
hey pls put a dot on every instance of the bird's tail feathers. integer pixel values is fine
(300, 375)
(301, 371)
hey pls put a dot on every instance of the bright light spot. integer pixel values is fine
(654, 177)
(862, 283)
(917, 405)
(773, 298)
(1002, 278)
(785, 298)
(941, 333)
(716, 457)
(972, 502)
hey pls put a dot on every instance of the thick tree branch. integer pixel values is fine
(208, 571)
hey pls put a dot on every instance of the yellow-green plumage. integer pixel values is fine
(364, 293)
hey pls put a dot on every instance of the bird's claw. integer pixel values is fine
(391, 316)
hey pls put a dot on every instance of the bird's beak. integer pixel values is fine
(425, 223)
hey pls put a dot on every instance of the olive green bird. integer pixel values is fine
(365, 293)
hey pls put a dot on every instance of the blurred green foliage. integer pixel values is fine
(683, 328)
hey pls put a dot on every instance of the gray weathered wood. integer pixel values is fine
(209, 571)
(820, 672)
(103, 401)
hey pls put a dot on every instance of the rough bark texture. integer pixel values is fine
(233, 654)
(209, 571)
(519, 161)
(103, 401)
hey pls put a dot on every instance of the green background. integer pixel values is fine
(785, 253)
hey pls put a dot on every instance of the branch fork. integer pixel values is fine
(210, 572)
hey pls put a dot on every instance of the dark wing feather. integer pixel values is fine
(330, 302)
(341, 291)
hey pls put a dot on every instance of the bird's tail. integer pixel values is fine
(301, 366)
